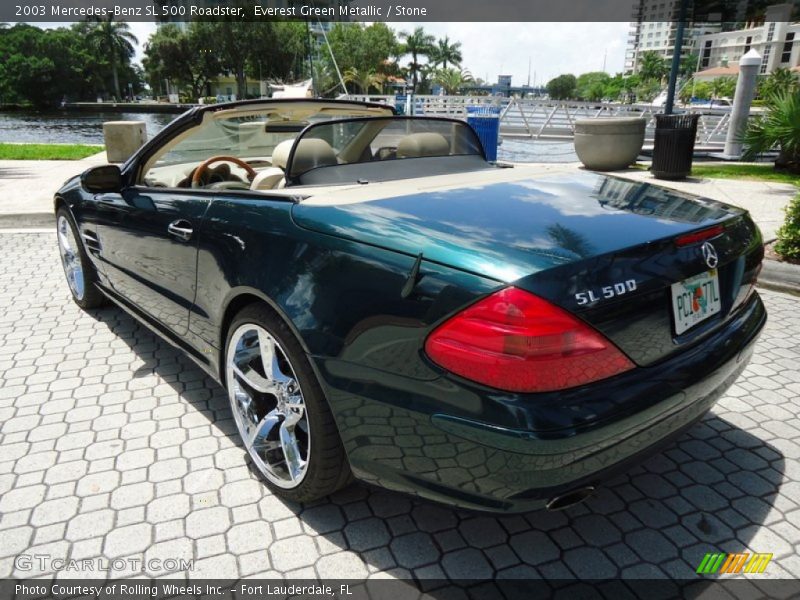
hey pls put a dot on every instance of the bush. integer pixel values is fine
(778, 128)
(788, 244)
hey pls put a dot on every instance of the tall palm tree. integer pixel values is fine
(365, 80)
(444, 53)
(418, 43)
(115, 40)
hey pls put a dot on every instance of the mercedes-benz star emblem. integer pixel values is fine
(710, 255)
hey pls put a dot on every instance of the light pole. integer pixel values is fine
(676, 59)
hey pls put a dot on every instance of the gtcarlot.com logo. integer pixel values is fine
(742, 562)
(45, 562)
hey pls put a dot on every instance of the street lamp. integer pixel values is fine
(676, 59)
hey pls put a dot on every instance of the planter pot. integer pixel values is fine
(609, 144)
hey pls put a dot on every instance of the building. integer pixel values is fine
(653, 28)
(777, 40)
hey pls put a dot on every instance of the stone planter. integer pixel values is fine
(123, 138)
(609, 144)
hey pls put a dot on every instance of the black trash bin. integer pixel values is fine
(674, 146)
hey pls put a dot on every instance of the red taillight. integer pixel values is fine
(515, 341)
(699, 236)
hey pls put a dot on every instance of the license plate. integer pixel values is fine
(695, 299)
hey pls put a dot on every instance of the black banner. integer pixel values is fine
(697, 11)
(387, 589)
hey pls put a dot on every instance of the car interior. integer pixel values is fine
(252, 152)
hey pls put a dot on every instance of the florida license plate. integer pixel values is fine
(695, 299)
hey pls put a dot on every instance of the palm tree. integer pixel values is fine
(722, 87)
(451, 80)
(445, 53)
(114, 40)
(780, 81)
(652, 67)
(778, 128)
(364, 79)
(417, 44)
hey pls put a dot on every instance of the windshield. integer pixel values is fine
(380, 141)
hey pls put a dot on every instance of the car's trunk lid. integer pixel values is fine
(559, 236)
(511, 226)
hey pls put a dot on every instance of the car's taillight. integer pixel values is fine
(699, 236)
(515, 341)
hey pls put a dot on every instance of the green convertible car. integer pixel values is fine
(380, 302)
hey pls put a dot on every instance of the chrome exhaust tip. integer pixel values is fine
(571, 498)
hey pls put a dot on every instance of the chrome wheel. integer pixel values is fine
(268, 405)
(70, 257)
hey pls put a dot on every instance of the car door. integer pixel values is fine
(150, 240)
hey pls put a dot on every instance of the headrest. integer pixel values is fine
(312, 153)
(425, 143)
(280, 155)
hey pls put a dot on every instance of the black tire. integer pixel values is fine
(91, 297)
(328, 469)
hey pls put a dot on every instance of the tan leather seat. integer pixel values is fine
(268, 179)
(274, 177)
(312, 153)
(426, 143)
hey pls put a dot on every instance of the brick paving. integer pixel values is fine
(113, 445)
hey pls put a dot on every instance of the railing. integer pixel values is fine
(553, 120)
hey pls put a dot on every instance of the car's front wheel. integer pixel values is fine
(80, 273)
(279, 408)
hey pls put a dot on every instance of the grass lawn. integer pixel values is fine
(764, 172)
(47, 151)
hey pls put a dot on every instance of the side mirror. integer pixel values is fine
(103, 180)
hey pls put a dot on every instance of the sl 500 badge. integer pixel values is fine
(606, 292)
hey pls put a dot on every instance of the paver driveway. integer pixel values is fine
(112, 444)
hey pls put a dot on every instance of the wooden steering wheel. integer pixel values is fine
(197, 177)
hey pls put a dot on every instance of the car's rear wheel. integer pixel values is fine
(79, 271)
(279, 408)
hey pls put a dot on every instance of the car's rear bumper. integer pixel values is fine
(395, 440)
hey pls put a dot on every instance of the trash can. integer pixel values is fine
(674, 146)
(485, 120)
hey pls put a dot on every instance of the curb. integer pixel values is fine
(28, 221)
(780, 276)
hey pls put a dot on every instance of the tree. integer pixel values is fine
(722, 87)
(696, 89)
(778, 128)
(592, 86)
(259, 49)
(444, 53)
(647, 90)
(652, 67)
(562, 87)
(362, 48)
(781, 81)
(688, 65)
(182, 56)
(451, 80)
(365, 80)
(115, 40)
(417, 44)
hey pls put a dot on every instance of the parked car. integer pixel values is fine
(380, 302)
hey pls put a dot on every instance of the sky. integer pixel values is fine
(492, 49)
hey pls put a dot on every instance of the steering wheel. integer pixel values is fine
(197, 177)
